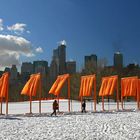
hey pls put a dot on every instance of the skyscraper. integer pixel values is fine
(62, 58)
(53, 71)
(71, 67)
(40, 66)
(26, 70)
(27, 67)
(55, 61)
(118, 60)
(59, 58)
(14, 73)
(91, 61)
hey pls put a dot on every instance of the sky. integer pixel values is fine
(31, 29)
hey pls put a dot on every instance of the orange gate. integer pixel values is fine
(86, 87)
(4, 89)
(31, 87)
(108, 87)
(58, 84)
(130, 88)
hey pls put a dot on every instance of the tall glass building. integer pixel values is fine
(118, 60)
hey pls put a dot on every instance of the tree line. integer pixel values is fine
(101, 71)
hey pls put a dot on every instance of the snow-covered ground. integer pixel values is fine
(69, 126)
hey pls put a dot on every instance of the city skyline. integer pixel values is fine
(30, 30)
(59, 53)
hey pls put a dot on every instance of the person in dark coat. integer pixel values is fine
(55, 107)
(84, 106)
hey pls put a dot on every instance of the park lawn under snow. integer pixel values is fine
(74, 125)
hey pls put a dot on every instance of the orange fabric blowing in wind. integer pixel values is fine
(139, 86)
(58, 84)
(4, 80)
(108, 86)
(86, 85)
(31, 86)
(129, 86)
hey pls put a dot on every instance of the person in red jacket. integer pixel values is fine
(55, 107)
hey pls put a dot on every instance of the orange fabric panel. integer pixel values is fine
(81, 87)
(92, 81)
(108, 86)
(129, 86)
(114, 86)
(138, 87)
(58, 84)
(1, 80)
(28, 87)
(54, 86)
(89, 85)
(31, 86)
(86, 85)
(103, 87)
(36, 84)
(4, 85)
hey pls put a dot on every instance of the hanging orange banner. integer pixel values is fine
(139, 86)
(87, 85)
(4, 80)
(58, 84)
(129, 86)
(108, 86)
(32, 85)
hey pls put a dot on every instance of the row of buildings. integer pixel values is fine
(91, 61)
(58, 65)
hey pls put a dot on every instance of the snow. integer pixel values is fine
(113, 125)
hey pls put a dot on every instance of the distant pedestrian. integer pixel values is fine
(84, 106)
(55, 107)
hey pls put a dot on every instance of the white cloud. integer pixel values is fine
(39, 50)
(1, 25)
(17, 28)
(12, 47)
(71, 60)
(63, 42)
(15, 43)
(28, 32)
(7, 59)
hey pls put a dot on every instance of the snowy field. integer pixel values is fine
(118, 125)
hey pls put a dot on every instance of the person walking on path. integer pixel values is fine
(84, 106)
(55, 107)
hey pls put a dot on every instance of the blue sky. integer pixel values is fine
(89, 27)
